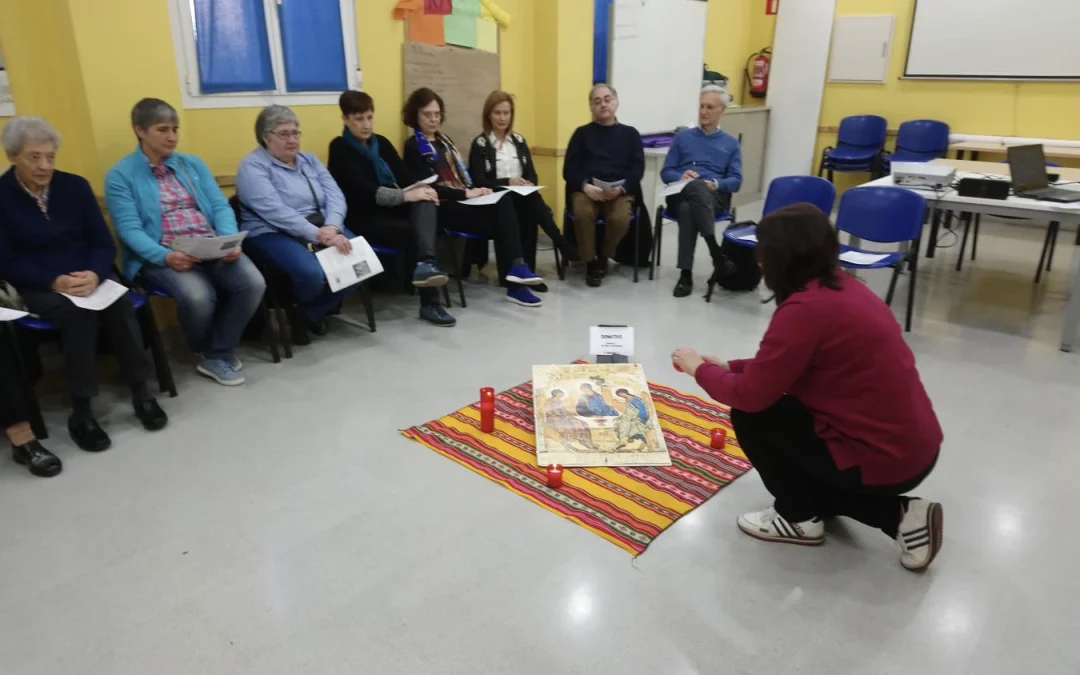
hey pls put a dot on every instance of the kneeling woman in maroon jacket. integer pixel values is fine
(831, 411)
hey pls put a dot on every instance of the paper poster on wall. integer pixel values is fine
(463, 77)
(438, 6)
(460, 29)
(427, 29)
(487, 35)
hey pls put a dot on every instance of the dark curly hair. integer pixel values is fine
(797, 245)
(410, 112)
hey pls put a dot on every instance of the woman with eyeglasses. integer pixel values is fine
(289, 203)
(431, 152)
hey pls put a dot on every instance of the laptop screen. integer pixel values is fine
(1028, 166)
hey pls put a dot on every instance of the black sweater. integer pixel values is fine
(356, 177)
(423, 166)
(482, 161)
(609, 153)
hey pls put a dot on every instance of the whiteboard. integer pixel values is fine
(861, 46)
(995, 39)
(657, 57)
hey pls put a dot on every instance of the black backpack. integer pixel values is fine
(739, 269)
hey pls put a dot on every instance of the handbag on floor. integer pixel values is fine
(738, 268)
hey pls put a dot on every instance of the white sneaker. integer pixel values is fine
(771, 526)
(919, 537)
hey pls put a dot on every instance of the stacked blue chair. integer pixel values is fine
(920, 141)
(885, 215)
(859, 147)
(785, 191)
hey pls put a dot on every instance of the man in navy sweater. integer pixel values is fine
(711, 160)
(603, 152)
(54, 243)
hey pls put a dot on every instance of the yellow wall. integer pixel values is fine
(735, 29)
(1033, 109)
(83, 64)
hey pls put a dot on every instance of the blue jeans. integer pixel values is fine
(313, 297)
(214, 302)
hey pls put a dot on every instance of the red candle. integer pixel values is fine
(719, 439)
(487, 416)
(554, 476)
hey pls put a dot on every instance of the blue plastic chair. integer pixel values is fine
(568, 226)
(886, 215)
(663, 214)
(859, 147)
(148, 327)
(920, 141)
(785, 191)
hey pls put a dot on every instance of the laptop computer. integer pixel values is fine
(1028, 166)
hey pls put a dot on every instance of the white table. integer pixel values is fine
(1018, 207)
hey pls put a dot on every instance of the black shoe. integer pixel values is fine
(150, 414)
(88, 434)
(298, 329)
(539, 288)
(685, 286)
(602, 267)
(41, 462)
(318, 327)
(593, 277)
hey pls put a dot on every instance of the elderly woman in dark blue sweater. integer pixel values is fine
(54, 245)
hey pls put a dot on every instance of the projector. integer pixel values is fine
(922, 175)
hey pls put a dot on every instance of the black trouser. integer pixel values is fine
(13, 407)
(531, 211)
(497, 221)
(411, 228)
(79, 331)
(798, 470)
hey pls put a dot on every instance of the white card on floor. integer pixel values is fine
(484, 200)
(7, 314)
(606, 340)
(524, 189)
(343, 270)
(860, 258)
(103, 297)
(676, 187)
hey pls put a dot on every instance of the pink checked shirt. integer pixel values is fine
(180, 217)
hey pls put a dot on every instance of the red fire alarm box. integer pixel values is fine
(771, 6)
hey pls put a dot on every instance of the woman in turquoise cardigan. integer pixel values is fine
(155, 195)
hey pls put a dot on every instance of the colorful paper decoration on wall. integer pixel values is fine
(465, 23)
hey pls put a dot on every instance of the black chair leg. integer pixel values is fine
(935, 226)
(459, 267)
(892, 282)
(446, 296)
(37, 421)
(831, 176)
(283, 333)
(157, 350)
(369, 308)
(269, 332)
(637, 243)
(966, 217)
(558, 261)
(708, 292)
(911, 289)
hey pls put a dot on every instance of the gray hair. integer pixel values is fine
(271, 117)
(23, 128)
(151, 111)
(725, 97)
(600, 85)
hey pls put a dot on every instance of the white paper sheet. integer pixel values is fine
(524, 189)
(859, 258)
(208, 248)
(752, 236)
(605, 340)
(104, 296)
(421, 183)
(343, 270)
(604, 185)
(484, 200)
(676, 187)
(7, 314)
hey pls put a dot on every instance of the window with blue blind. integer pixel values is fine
(235, 53)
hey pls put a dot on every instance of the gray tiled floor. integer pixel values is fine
(286, 527)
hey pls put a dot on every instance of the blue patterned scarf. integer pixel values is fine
(457, 167)
(371, 154)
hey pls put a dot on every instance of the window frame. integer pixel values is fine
(182, 19)
(7, 108)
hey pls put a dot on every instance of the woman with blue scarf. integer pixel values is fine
(430, 152)
(373, 178)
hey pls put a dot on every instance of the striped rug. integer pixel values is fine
(628, 506)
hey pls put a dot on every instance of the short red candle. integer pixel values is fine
(719, 439)
(554, 476)
(487, 417)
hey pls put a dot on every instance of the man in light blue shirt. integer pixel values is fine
(288, 201)
(711, 160)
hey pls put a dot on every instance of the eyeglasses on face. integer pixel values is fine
(286, 135)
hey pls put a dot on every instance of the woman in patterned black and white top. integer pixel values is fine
(500, 157)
